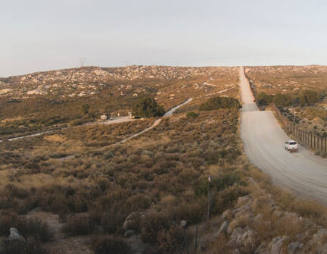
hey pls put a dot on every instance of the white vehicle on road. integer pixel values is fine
(291, 146)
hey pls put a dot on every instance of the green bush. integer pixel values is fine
(304, 98)
(147, 107)
(85, 108)
(220, 102)
(264, 99)
(309, 97)
(192, 115)
(282, 100)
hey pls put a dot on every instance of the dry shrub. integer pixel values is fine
(220, 246)
(79, 225)
(31, 246)
(112, 221)
(309, 208)
(151, 225)
(192, 212)
(138, 202)
(227, 198)
(172, 240)
(108, 245)
(34, 228)
(288, 226)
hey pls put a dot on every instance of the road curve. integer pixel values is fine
(158, 121)
(263, 138)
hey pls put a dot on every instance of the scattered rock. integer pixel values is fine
(243, 239)
(132, 221)
(262, 249)
(223, 228)
(320, 237)
(14, 235)
(243, 200)
(294, 247)
(322, 249)
(277, 244)
(183, 223)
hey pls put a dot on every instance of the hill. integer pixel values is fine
(41, 100)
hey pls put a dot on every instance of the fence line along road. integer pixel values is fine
(306, 138)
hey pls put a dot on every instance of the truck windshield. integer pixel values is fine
(293, 143)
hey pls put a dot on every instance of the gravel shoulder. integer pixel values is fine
(302, 172)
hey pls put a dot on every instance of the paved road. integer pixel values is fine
(302, 172)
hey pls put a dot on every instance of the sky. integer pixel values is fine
(39, 35)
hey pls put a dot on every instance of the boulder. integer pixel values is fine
(14, 235)
(132, 221)
(183, 223)
(242, 210)
(243, 200)
(262, 249)
(243, 239)
(277, 244)
(223, 228)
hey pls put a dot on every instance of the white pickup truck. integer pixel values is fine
(291, 146)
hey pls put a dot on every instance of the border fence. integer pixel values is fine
(308, 139)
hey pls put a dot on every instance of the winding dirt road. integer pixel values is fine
(158, 121)
(302, 172)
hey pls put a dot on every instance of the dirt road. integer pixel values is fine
(122, 119)
(158, 121)
(302, 172)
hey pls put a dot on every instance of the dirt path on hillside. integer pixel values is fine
(302, 172)
(122, 119)
(158, 121)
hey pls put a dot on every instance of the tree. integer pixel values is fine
(86, 108)
(220, 102)
(308, 97)
(147, 107)
(264, 99)
(282, 100)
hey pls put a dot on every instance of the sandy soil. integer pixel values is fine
(302, 172)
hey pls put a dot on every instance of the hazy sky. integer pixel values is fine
(42, 34)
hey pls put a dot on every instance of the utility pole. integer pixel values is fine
(209, 203)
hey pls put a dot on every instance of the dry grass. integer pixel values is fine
(159, 171)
